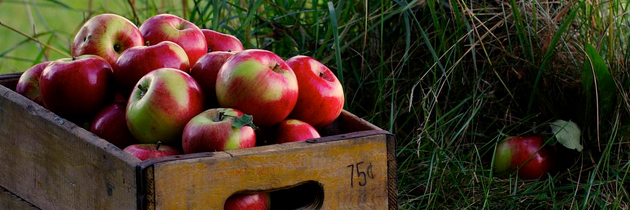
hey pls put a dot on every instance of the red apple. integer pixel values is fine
(218, 41)
(28, 84)
(205, 73)
(526, 155)
(321, 98)
(215, 130)
(138, 61)
(259, 83)
(161, 104)
(256, 201)
(167, 27)
(148, 151)
(111, 124)
(292, 130)
(76, 88)
(106, 35)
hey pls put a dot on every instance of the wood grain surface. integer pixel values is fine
(54, 164)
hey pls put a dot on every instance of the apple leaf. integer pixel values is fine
(567, 133)
(245, 120)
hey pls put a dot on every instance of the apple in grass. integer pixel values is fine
(218, 41)
(76, 88)
(140, 60)
(111, 124)
(292, 130)
(107, 36)
(28, 84)
(526, 155)
(253, 201)
(259, 83)
(161, 104)
(218, 129)
(205, 72)
(321, 97)
(148, 151)
(167, 27)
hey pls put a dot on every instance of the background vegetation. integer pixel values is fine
(450, 78)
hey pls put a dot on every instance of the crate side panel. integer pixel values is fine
(9, 201)
(353, 173)
(52, 163)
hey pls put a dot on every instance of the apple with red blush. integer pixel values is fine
(167, 27)
(321, 98)
(28, 84)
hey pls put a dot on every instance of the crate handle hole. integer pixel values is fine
(307, 195)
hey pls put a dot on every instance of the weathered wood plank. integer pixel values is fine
(354, 174)
(54, 164)
(9, 201)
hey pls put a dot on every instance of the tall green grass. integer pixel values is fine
(449, 78)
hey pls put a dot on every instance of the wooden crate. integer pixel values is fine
(52, 163)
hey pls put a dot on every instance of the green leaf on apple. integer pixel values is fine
(567, 133)
(245, 120)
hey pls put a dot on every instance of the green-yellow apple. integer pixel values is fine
(161, 104)
(254, 201)
(106, 35)
(167, 27)
(148, 151)
(205, 73)
(259, 83)
(526, 155)
(321, 98)
(216, 130)
(292, 130)
(28, 84)
(218, 41)
(77, 88)
(138, 61)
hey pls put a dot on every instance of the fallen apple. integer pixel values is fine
(525, 155)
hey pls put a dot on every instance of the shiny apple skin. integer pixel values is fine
(77, 88)
(111, 124)
(28, 84)
(526, 155)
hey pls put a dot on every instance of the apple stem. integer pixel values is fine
(276, 68)
(142, 89)
(157, 146)
(209, 49)
(146, 43)
(221, 116)
(74, 58)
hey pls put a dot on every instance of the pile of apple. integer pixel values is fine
(171, 82)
